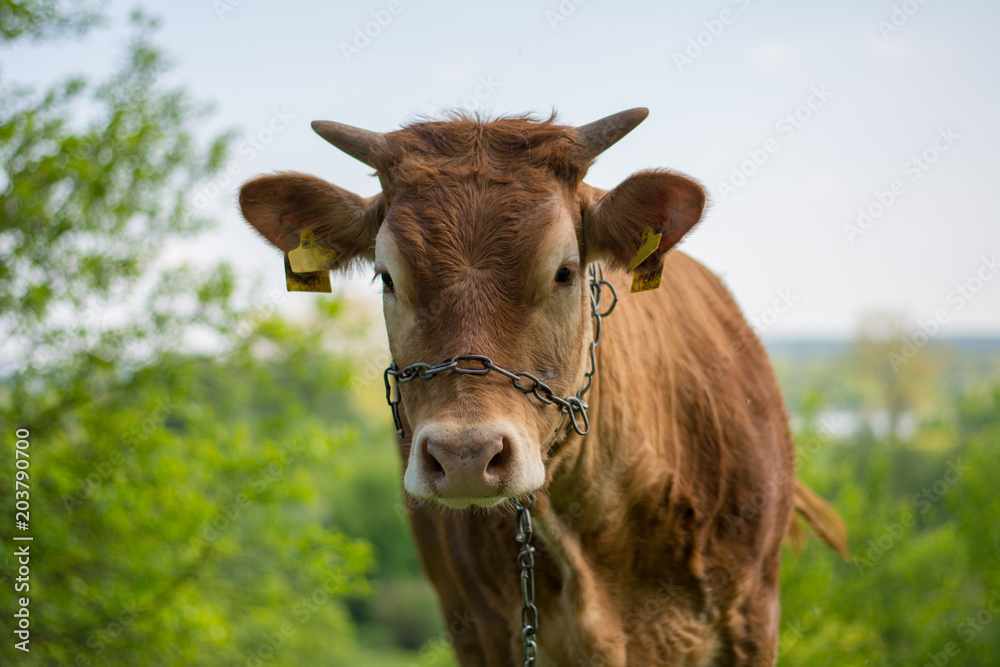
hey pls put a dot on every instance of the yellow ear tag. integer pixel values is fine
(310, 256)
(646, 278)
(650, 242)
(312, 281)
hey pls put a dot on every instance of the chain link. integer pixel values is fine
(526, 559)
(526, 383)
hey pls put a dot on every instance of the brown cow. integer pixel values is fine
(661, 528)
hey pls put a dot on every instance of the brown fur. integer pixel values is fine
(660, 531)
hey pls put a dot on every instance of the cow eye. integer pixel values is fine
(564, 274)
(387, 285)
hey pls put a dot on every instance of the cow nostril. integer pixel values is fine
(431, 463)
(499, 460)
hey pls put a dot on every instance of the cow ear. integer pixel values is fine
(669, 204)
(283, 206)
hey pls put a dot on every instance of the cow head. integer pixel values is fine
(480, 238)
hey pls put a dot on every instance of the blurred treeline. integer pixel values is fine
(212, 484)
(922, 510)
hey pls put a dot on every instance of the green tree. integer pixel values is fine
(175, 499)
(87, 206)
(899, 375)
(37, 20)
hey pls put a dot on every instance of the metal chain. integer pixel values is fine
(597, 283)
(526, 559)
(526, 383)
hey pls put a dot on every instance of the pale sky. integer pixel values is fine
(793, 114)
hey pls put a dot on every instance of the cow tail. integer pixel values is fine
(818, 515)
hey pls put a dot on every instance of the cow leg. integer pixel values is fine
(759, 614)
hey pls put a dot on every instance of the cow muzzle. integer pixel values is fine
(480, 465)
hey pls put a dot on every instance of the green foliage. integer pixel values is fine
(85, 208)
(369, 505)
(172, 523)
(924, 537)
(40, 19)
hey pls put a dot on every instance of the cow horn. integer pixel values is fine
(369, 147)
(600, 135)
